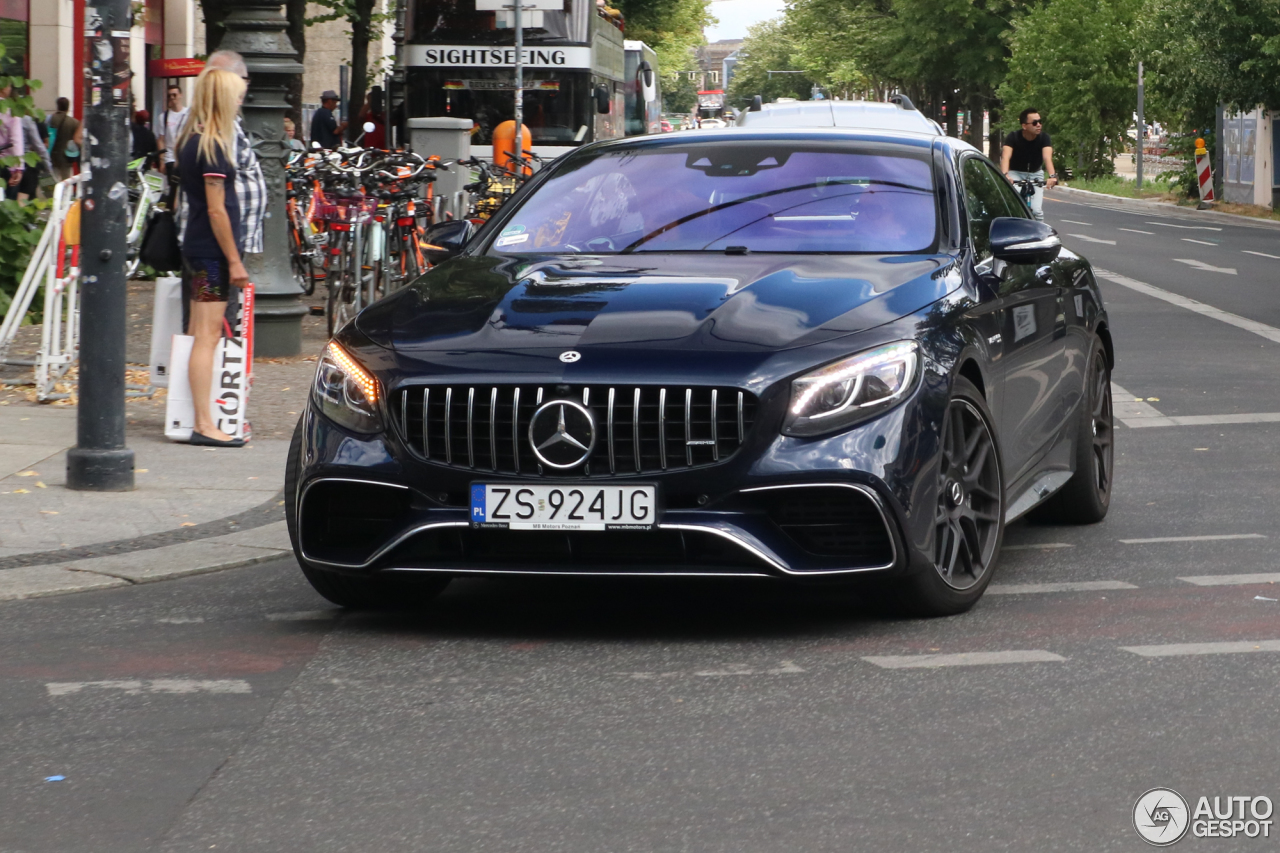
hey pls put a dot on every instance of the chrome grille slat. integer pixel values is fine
(688, 430)
(635, 430)
(515, 429)
(431, 427)
(715, 420)
(448, 426)
(662, 427)
(493, 427)
(471, 447)
(613, 465)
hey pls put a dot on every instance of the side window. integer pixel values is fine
(1017, 208)
(983, 203)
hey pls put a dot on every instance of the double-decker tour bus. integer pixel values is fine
(459, 58)
(711, 104)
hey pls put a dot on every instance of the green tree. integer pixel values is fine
(365, 20)
(770, 46)
(673, 28)
(681, 96)
(1073, 61)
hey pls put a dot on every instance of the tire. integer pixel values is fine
(968, 515)
(375, 592)
(1086, 497)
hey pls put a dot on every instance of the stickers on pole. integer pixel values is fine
(232, 378)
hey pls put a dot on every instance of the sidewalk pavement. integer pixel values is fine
(194, 510)
(1163, 207)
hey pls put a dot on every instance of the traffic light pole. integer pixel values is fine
(100, 461)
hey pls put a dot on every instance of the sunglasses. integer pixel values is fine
(1037, 121)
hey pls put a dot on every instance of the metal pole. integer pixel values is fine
(519, 25)
(100, 461)
(257, 29)
(1142, 130)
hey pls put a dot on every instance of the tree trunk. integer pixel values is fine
(296, 13)
(995, 140)
(361, 33)
(973, 113)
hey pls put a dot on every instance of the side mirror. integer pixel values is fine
(757, 104)
(1023, 241)
(446, 239)
(370, 127)
(602, 99)
(646, 75)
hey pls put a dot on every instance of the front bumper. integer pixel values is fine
(786, 508)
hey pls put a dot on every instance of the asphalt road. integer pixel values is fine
(237, 711)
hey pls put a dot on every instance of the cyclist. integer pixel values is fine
(1027, 155)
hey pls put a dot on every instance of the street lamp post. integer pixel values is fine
(256, 29)
(100, 461)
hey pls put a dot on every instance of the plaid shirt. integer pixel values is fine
(251, 191)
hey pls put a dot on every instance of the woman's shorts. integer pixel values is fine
(209, 278)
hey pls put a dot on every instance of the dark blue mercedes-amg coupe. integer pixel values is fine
(809, 355)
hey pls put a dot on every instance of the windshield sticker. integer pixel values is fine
(513, 229)
(511, 240)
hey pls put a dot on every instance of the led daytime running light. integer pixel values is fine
(848, 371)
(357, 374)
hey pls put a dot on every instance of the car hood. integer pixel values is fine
(651, 304)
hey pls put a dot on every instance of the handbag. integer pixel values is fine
(160, 249)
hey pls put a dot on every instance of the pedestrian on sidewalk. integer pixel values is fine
(34, 134)
(1026, 156)
(326, 129)
(12, 144)
(212, 241)
(172, 121)
(144, 141)
(68, 136)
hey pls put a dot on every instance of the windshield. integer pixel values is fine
(753, 196)
(555, 102)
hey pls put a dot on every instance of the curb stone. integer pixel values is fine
(264, 543)
(1168, 207)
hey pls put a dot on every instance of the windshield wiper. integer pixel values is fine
(811, 185)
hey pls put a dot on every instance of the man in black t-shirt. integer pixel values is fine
(1028, 155)
(326, 129)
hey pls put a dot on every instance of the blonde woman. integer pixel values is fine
(211, 245)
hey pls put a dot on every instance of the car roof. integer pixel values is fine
(910, 139)
(864, 115)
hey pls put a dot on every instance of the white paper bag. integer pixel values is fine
(166, 321)
(229, 392)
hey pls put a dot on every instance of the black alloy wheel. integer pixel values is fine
(968, 518)
(1086, 497)
(970, 498)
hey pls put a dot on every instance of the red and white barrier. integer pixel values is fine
(1204, 172)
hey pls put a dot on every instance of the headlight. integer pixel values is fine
(853, 389)
(346, 392)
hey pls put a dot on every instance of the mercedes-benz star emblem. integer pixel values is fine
(563, 433)
(570, 356)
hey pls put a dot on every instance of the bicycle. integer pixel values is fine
(1027, 190)
(146, 187)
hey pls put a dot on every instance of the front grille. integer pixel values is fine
(640, 429)
(830, 521)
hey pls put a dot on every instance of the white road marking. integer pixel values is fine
(963, 659)
(1216, 538)
(1201, 265)
(1271, 333)
(1136, 414)
(180, 620)
(1089, 239)
(1201, 242)
(155, 685)
(787, 668)
(1181, 649)
(1207, 420)
(1078, 222)
(1232, 580)
(1070, 586)
(1041, 546)
(1136, 231)
(303, 616)
(1187, 227)
(1261, 254)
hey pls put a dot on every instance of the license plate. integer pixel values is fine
(567, 507)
